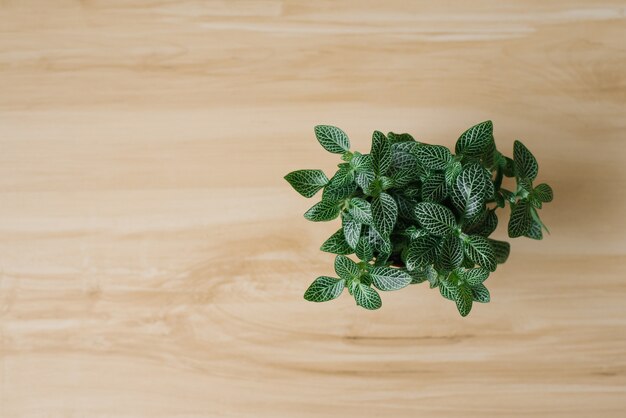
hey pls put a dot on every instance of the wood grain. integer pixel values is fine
(153, 260)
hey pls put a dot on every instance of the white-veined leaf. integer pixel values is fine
(384, 213)
(324, 289)
(433, 157)
(521, 219)
(345, 267)
(479, 250)
(476, 140)
(387, 278)
(366, 297)
(307, 182)
(332, 139)
(435, 218)
(525, 163)
(422, 251)
(480, 294)
(337, 244)
(380, 153)
(326, 210)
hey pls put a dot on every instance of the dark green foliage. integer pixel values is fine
(413, 212)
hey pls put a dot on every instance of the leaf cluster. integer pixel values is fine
(413, 212)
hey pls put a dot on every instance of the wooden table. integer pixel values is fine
(153, 260)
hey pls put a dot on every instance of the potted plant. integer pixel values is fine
(413, 212)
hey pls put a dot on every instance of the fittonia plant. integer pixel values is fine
(414, 212)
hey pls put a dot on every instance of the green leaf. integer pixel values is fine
(337, 244)
(434, 218)
(476, 140)
(479, 250)
(422, 274)
(394, 137)
(480, 293)
(381, 153)
(361, 162)
(403, 158)
(472, 188)
(361, 210)
(525, 163)
(346, 268)
(488, 225)
(452, 172)
(535, 231)
(351, 230)
(333, 193)
(476, 276)
(451, 255)
(325, 210)
(521, 220)
(544, 193)
(324, 289)
(307, 182)
(363, 249)
(342, 177)
(501, 250)
(365, 179)
(435, 188)
(433, 157)
(379, 243)
(448, 290)
(464, 300)
(422, 251)
(332, 139)
(387, 278)
(384, 213)
(366, 297)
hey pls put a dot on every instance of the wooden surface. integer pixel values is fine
(153, 260)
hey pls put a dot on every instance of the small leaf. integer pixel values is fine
(337, 244)
(435, 188)
(361, 162)
(434, 218)
(520, 221)
(479, 250)
(363, 249)
(476, 140)
(464, 300)
(544, 193)
(366, 297)
(332, 139)
(324, 289)
(387, 278)
(325, 210)
(361, 210)
(448, 290)
(333, 193)
(476, 276)
(501, 250)
(403, 158)
(422, 274)
(384, 213)
(422, 251)
(433, 157)
(451, 255)
(471, 190)
(307, 182)
(452, 172)
(535, 231)
(381, 153)
(379, 243)
(480, 293)
(525, 163)
(365, 179)
(345, 267)
(351, 230)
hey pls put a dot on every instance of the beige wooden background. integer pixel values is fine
(153, 260)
